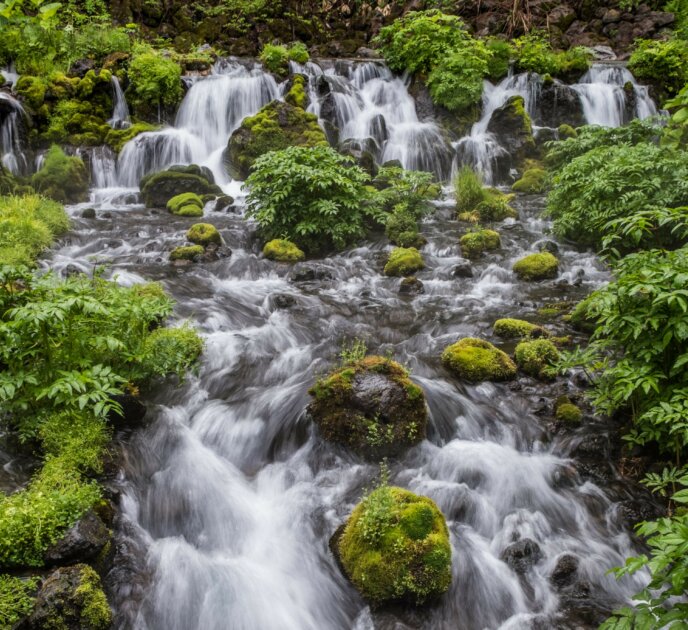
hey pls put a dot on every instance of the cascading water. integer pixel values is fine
(12, 151)
(120, 110)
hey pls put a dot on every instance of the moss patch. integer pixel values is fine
(565, 411)
(537, 358)
(474, 244)
(62, 178)
(297, 95)
(395, 548)
(204, 234)
(187, 252)
(537, 266)
(186, 205)
(477, 360)
(533, 181)
(404, 262)
(282, 250)
(517, 329)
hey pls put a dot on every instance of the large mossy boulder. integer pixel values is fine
(185, 205)
(474, 244)
(508, 328)
(158, 188)
(476, 360)
(204, 234)
(395, 548)
(61, 177)
(404, 261)
(533, 181)
(282, 250)
(71, 598)
(276, 126)
(512, 126)
(370, 406)
(535, 267)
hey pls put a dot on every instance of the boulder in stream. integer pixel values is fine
(158, 188)
(282, 250)
(370, 406)
(83, 541)
(511, 124)
(476, 360)
(541, 266)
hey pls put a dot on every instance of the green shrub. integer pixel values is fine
(404, 262)
(16, 599)
(154, 82)
(534, 54)
(298, 52)
(537, 266)
(314, 197)
(475, 244)
(537, 358)
(661, 63)
(395, 547)
(282, 250)
(275, 58)
(477, 360)
(469, 189)
(169, 351)
(62, 178)
(500, 58)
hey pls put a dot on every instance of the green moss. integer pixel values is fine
(537, 266)
(537, 358)
(385, 430)
(204, 234)
(580, 317)
(395, 548)
(186, 205)
(565, 411)
(534, 180)
(404, 262)
(31, 90)
(297, 95)
(17, 596)
(517, 329)
(78, 123)
(62, 178)
(565, 131)
(477, 360)
(95, 611)
(401, 229)
(187, 252)
(117, 138)
(276, 126)
(282, 250)
(474, 244)
(494, 206)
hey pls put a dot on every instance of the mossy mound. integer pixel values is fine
(204, 234)
(512, 125)
(401, 229)
(297, 95)
(477, 360)
(565, 131)
(395, 548)
(282, 250)
(565, 411)
(31, 90)
(537, 267)
(474, 244)
(517, 329)
(186, 205)
(117, 138)
(191, 253)
(62, 178)
(533, 181)
(370, 406)
(404, 261)
(537, 358)
(495, 206)
(276, 126)
(158, 188)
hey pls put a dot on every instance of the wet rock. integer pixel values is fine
(522, 555)
(603, 53)
(82, 542)
(367, 53)
(363, 152)
(283, 300)
(71, 598)
(512, 125)
(638, 509)
(81, 67)
(215, 251)
(564, 572)
(558, 103)
(224, 203)
(133, 411)
(463, 269)
(411, 286)
(611, 16)
(309, 272)
(88, 213)
(158, 188)
(547, 245)
(561, 16)
(71, 270)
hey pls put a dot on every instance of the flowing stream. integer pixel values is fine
(229, 496)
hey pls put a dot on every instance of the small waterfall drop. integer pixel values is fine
(12, 150)
(120, 111)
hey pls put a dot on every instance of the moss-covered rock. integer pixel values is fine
(565, 131)
(474, 244)
(495, 206)
(158, 188)
(191, 253)
(533, 181)
(186, 205)
(395, 548)
(370, 406)
(117, 138)
(478, 360)
(512, 125)
(62, 178)
(276, 126)
(404, 262)
(297, 94)
(537, 358)
(517, 329)
(71, 598)
(401, 229)
(204, 234)
(567, 412)
(32, 91)
(537, 266)
(282, 250)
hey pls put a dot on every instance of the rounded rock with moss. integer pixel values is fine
(186, 205)
(158, 188)
(566, 411)
(533, 181)
(540, 266)
(370, 406)
(404, 261)
(190, 253)
(395, 548)
(537, 358)
(478, 360)
(204, 234)
(61, 177)
(517, 329)
(282, 250)
(474, 244)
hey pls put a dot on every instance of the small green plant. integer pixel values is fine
(353, 352)
(16, 599)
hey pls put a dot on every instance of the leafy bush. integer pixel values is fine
(314, 197)
(474, 202)
(612, 182)
(419, 40)
(499, 59)
(676, 133)
(535, 54)
(61, 177)
(456, 82)
(275, 58)
(16, 599)
(661, 63)
(298, 53)
(28, 225)
(154, 81)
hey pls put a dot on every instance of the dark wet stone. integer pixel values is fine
(522, 555)
(308, 272)
(133, 411)
(107, 215)
(224, 203)
(82, 542)
(88, 213)
(215, 252)
(638, 509)
(564, 572)
(411, 286)
(463, 270)
(283, 300)
(80, 67)
(547, 245)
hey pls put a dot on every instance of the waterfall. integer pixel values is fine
(213, 107)
(120, 111)
(12, 151)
